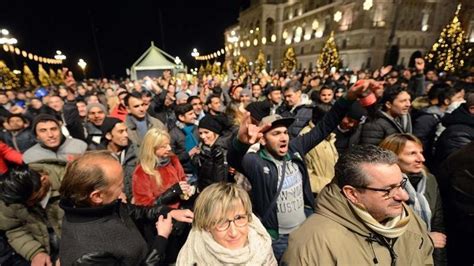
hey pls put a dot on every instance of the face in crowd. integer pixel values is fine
(207, 137)
(118, 135)
(381, 205)
(292, 98)
(49, 134)
(276, 141)
(326, 95)
(136, 108)
(197, 105)
(275, 96)
(400, 105)
(96, 116)
(56, 103)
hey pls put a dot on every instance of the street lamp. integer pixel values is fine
(59, 56)
(82, 64)
(6, 38)
(195, 53)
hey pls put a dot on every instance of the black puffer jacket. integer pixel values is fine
(302, 115)
(212, 165)
(459, 132)
(382, 126)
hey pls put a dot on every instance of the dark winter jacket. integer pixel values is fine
(262, 171)
(382, 126)
(211, 163)
(179, 148)
(424, 127)
(458, 133)
(21, 140)
(302, 115)
(92, 235)
(345, 140)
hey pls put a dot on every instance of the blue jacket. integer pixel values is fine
(262, 171)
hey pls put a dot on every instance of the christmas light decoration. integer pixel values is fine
(450, 50)
(329, 56)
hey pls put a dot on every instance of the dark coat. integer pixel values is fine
(212, 165)
(21, 141)
(458, 133)
(345, 140)
(263, 173)
(93, 234)
(382, 126)
(302, 115)
(179, 148)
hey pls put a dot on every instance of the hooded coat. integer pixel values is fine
(336, 236)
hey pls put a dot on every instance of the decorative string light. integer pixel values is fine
(27, 55)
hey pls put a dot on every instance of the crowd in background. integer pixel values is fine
(177, 134)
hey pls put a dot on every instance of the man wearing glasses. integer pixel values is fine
(362, 218)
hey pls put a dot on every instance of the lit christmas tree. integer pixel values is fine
(260, 62)
(29, 80)
(450, 50)
(52, 77)
(289, 60)
(216, 69)
(59, 77)
(202, 71)
(8, 80)
(43, 76)
(208, 68)
(242, 65)
(329, 57)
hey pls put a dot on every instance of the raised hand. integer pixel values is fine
(248, 132)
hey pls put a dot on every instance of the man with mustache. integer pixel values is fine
(361, 217)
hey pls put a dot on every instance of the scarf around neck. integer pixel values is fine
(201, 249)
(395, 227)
(417, 200)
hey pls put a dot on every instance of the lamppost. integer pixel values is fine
(82, 64)
(59, 56)
(7, 39)
(195, 54)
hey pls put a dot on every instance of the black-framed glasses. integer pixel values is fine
(389, 192)
(240, 220)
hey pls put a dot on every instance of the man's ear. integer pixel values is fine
(388, 105)
(263, 141)
(108, 136)
(96, 197)
(351, 194)
(181, 117)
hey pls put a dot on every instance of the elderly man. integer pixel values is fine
(361, 217)
(98, 227)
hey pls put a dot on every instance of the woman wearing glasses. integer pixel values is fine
(225, 231)
(422, 188)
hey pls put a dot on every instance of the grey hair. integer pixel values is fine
(348, 169)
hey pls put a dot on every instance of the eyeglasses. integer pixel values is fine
(239, 221)
(389, 192)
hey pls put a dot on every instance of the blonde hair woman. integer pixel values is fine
(225, 231)
(159, 174)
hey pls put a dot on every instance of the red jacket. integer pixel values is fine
(9, 154)
(144, 188)
(119, 112)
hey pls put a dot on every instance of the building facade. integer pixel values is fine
(364, 30)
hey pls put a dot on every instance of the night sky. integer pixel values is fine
(123, 29)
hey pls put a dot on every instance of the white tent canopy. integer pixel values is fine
(152, 63)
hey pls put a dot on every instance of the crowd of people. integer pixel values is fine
(290, 168)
